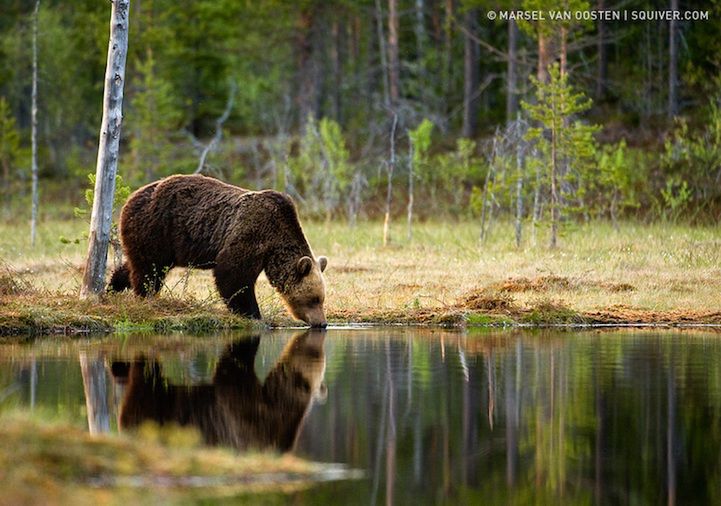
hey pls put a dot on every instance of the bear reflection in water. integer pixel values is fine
(235, 410)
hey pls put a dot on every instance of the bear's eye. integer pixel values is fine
(314, 301)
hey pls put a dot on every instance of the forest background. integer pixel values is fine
(312, 88)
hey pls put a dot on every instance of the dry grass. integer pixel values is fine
(642, 273)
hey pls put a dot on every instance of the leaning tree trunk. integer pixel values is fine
(34, 128)
(108, 148)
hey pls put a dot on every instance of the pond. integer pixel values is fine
(427, 415)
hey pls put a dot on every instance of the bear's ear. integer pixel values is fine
(304, 265)
(323, 263)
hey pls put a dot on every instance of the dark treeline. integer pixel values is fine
(542, 121)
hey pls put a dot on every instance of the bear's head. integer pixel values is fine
(305, 296)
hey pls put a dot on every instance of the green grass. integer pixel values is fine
(640, 273)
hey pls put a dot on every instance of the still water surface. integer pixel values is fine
(430, 416)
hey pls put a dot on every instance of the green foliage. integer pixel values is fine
(154, 115)
(322, 171)
(691, 161)
(550, 26)
(620, 172)
(283, 53)
(122, 192)
(676, 196)
(566, 147)
(449, 173)
(9, 139)
(420, 138)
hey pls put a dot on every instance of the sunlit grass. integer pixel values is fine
(640, 272)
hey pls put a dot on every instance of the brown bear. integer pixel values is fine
(201, 222)
(234, 410)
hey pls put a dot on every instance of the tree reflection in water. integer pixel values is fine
(431, 416)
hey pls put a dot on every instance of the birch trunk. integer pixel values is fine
(410, 190)
(520, 166)
(34, 129)
(389, 191)
(108, 148)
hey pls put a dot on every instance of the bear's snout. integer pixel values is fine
(315, 317)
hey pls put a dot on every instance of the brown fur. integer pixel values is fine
(198, 221)
(236, 409)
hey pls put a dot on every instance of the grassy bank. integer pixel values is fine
(638, 274)
(60, 464)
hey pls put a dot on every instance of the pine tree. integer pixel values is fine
(561, 143)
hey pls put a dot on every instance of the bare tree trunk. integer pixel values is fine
(511, 96)
(420, 29)
(307, 96)
(520, 168)
(410, 189)
(447, 46)
(34, 129)
(544, 57)
(471, 63)
(564, 50)
(354, 198)
(337, 73)
(673, 63)
(382, 51)
(391, 470)
(107, 164)
(554, 187)
(670, 435)
(394, 72)
(602, 67)
(486, 186)
(389, 191)
(536, 215)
